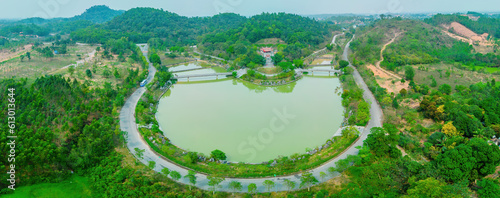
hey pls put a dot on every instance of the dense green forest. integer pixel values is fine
(142, 24)
(419, 43)
(300, 34)
(66, 128)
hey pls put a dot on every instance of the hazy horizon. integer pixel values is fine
(22, 9)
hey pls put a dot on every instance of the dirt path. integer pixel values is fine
(382, 58)
(385, 78)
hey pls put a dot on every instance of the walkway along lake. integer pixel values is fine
(251, 123)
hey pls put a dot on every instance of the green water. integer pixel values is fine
(251, 123)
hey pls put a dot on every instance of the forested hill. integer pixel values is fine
(301, 34)
(141, 24)
(98, 14)
(418, 43)
(95, 14)
(42, 27)
(483, 24)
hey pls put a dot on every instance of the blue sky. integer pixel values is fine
(68, 8)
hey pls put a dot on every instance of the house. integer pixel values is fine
(266, 50)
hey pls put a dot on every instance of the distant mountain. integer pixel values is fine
(98, 14)
(95, 14)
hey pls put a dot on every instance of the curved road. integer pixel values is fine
(134, 140)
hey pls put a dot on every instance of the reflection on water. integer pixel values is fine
(251, 123)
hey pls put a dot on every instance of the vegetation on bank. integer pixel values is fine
(357, 109)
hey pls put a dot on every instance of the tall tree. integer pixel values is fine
(192, 178)
(214, 182)
(307, 179)
(235, 186)
(268, 184)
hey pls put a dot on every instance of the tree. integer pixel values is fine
(329, 47)
(165, 171)
(332, 170)
(409, 73)
(22, 57)
(277, 58)
(192, 178)
(342, 165)
(214, 182)
(445, 89)
(106, 73)
(468, 162)
(322, 175)
(488, 188)
(175, 175)
(28, 55)
(450, 130)
(155, 59)
(235, 186)
(350, 132)
(395, 103)
(89, 73)
(252, 188)
(71, 70)
(290, 185)
(433, 83)
(218, 155)
(268, 184)
(152, 164)
(307, 179)
(139, 152)
(429, 187)
(403, 92)
(383, 141)
(298, 63)
(116, 74)
(343, 63)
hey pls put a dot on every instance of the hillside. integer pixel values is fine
(420, 43)
(98, 14)
(300, 33)
(141, 24)
(42, 27)
(482, 25)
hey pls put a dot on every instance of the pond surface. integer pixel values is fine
(251, 123)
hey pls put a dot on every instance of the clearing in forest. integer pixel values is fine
(385, 78)
(9, 54)
(462, 33)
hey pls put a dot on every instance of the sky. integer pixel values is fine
(17, 9)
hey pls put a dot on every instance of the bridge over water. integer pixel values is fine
(318, 70)
(202, 75)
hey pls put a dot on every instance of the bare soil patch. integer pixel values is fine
(462, 33)
(8, 54)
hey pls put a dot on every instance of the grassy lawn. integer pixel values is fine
(75, 186)
(270, 70)
(445, 73)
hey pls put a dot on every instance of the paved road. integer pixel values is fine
(134, 140)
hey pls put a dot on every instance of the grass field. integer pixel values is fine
(445, 73)
(75, 187)
(270, 70)
(39, 66)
